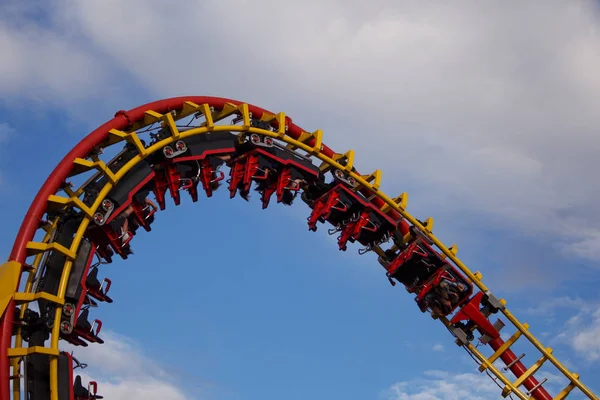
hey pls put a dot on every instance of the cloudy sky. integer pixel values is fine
(486, 114)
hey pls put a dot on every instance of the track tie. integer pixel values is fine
(565, 392)
(227, 110)
(35, 248)
(27, 351)
(188, 108)
(305, 138)
(282, 125)
(533, 389)
(401, 201)
(133, 138)
(115, 136)
(22, 298)
(374, 179)
(152, 117)
(207, 111)
(81, 166)
(56, 203)
(532, 370)
(452, 249)
(346, 160)
(311, 143)
(428, 224)
(246, 115)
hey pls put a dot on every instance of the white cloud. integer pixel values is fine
(582, 333)
(503, 98)
(489, 107)
(438, 347)
(441, 385)
(46, 66)
(123, 371)
(550, 306)
(581, 330)
(6, 131)
(142, 389)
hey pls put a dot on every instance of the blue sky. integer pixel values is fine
(242, 303)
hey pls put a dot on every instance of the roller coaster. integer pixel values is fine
(91, 206)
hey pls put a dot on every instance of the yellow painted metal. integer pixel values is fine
(206, 111)
(21, 297)
(503, 348)
(15, 362)
(228, 110)
(9, 280)
(152, 117)
(58, 202)
(306, 137)
(267, 117)
(493, 369)
(318, 146)
(346, 158)
(46, 227)
(400, 201)
(62, 288)
(530, 371)
(565, 392)
(82, 166)
(349, 157)
(170, 122)
(281, 125)
(188, 109)
(428, 225)
(453, 249)
(115, 136)
(399, 204)
(243, 109)
(34, 248)
(549, 356)
(26, 351)
(135, 140)
(374, 179)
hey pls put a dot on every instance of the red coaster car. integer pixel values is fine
(352, 215)
(83, 290)
(439, 285)
(73, 389)
(276, 170)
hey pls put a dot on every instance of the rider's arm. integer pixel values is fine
(151, 203)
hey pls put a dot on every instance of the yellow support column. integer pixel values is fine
(9, 280)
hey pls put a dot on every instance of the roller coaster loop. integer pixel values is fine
(179, 145)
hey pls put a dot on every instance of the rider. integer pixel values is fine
(125, 235)
(288, 195)
(443, 297)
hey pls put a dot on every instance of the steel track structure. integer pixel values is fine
(17, 275)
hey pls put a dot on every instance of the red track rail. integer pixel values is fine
(121, 121)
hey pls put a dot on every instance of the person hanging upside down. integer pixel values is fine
(289, 193)
(443, 297)
(125, 235)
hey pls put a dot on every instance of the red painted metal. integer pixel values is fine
(121, 121)
(5, 344)
(518, 368)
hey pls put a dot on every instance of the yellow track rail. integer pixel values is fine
(344, 162)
